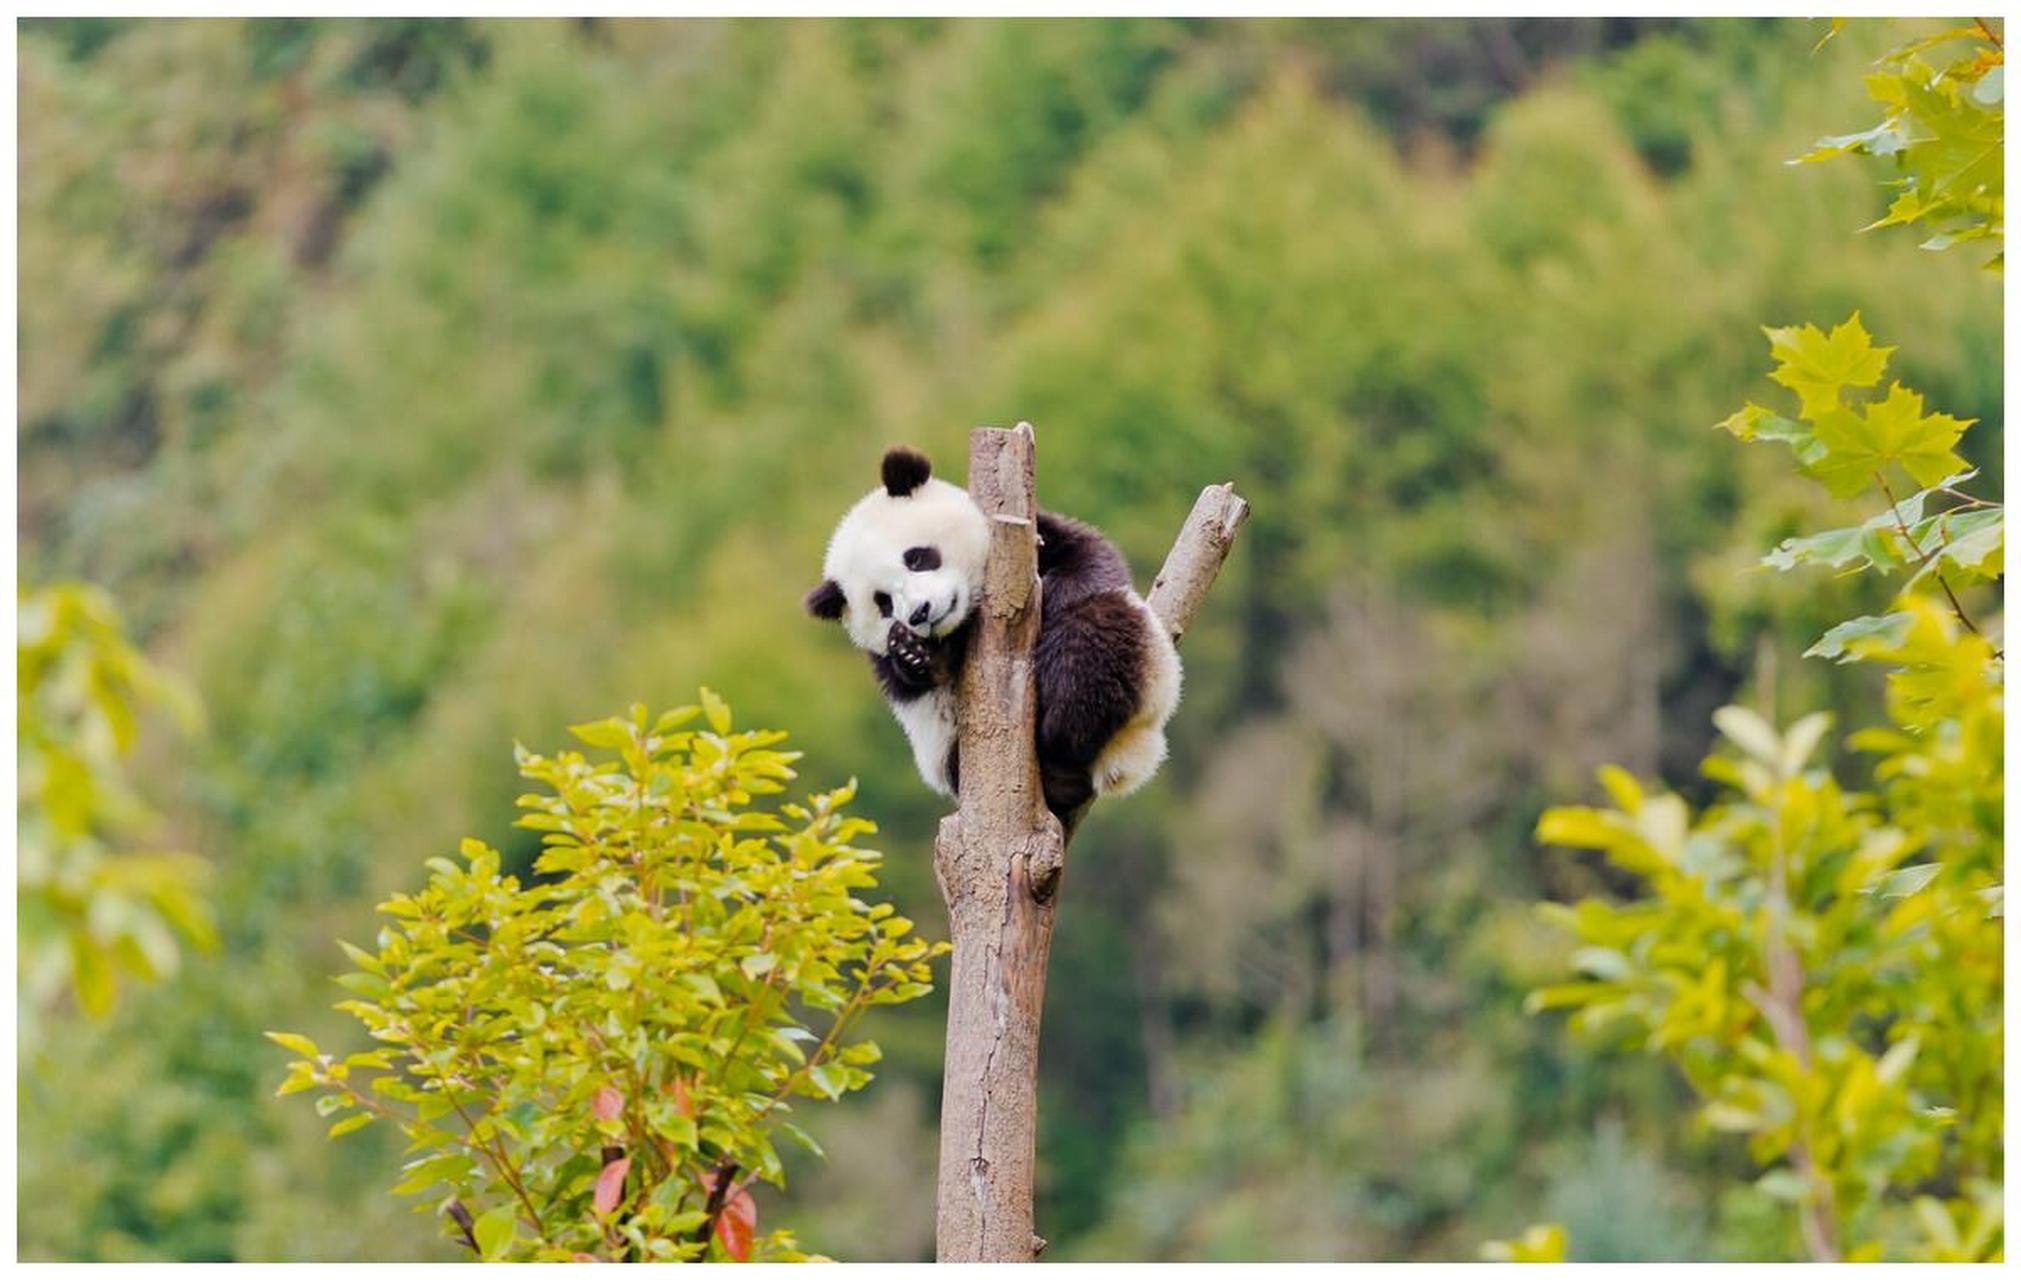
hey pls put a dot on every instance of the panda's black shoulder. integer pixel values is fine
(1076, 559)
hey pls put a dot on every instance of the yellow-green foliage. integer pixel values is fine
(1944, 129)
(1823, 962)
(1949, 538)
(92, 908)
(579, 1060)
(1544, 1242)
(421, 386)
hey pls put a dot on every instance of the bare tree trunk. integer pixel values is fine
(1000, 855)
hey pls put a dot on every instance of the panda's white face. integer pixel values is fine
(916, 560)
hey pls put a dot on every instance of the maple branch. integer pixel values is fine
(1923, 557)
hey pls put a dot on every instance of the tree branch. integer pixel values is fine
(1002, 932)
(1923, 557)
(1196, 557)
(999, 856)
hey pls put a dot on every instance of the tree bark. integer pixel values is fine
(1000, 855)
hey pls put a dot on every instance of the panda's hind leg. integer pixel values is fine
(1130, 759)
(1086, 662)
(1134, 754)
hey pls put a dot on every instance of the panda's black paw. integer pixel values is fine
(912, 656)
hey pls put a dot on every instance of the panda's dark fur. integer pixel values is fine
(903, 574)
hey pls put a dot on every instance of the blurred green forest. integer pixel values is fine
(419, 386)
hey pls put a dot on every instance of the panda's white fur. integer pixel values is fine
(866, 556)
(1108, 674)
(1138, 748)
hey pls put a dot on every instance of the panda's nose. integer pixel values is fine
(919, 614)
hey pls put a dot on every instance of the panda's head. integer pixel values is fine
(909, 552)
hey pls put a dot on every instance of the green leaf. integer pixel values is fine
(1729, 1118)
(1987, 92)
(1884, 139)
(351, 1123)
(1784, 1184)
(494, 1231)
(92, 974)
(297, 1082)
(1750, 733)
(1888, 629)
(1859, 446)
(1895, 1062)
(1802, 739)
(364, 959)
(1834, 548)
(1544, 1242)
(831, 1078)
(804, 1138)
(715, 711)
(294, 1044)
(1909, 880)
(1819, 367)
(612, 732)
(1604, 963)
(1972, 542)
(369, 985)
(1577, 827)
(1756, 423)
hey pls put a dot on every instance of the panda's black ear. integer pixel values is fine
(826, 600)
(905, 470)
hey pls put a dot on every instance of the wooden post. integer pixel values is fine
(1000, 855)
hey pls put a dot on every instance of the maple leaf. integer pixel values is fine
(1893, 430)
(1817, 367)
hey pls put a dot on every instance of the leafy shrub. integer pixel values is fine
(595, 1064)
(1824, 963)
(90, 913)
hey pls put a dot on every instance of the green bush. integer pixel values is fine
(595, 1064)
(1824, 963)
(91, 911)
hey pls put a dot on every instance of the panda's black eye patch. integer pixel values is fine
(883, 603)
(921, 559)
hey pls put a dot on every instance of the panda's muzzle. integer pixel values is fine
(919, 615)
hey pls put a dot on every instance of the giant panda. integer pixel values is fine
(903, 573)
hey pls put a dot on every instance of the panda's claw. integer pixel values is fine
(910, 654)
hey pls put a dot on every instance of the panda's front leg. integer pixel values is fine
(913, 659)
(918, 675)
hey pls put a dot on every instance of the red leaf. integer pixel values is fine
(682, 1102)
(584, 1257)
(608, 1103)
(610, 1185)
(737, 1224)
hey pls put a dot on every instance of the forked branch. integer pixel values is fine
(999, 856)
